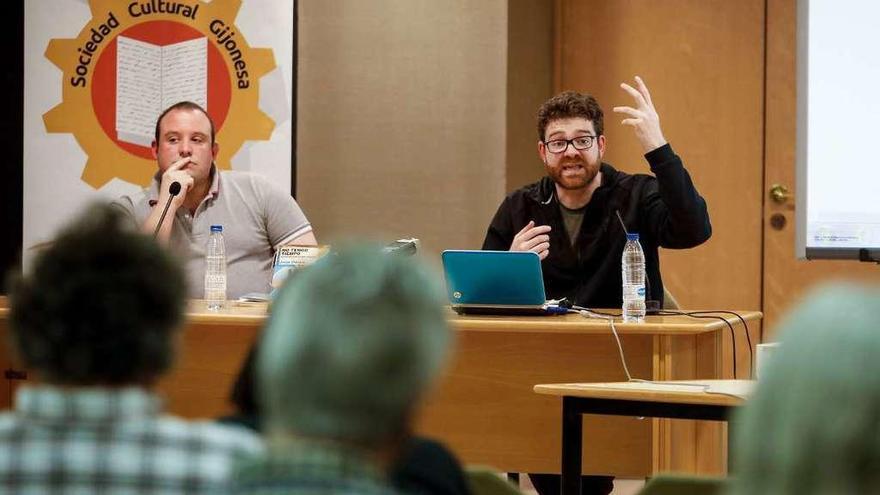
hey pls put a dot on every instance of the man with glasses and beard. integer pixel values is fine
(570, 217)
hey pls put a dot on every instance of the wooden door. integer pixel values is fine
(786, 278)
(702, 61)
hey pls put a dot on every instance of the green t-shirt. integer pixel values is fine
(572, 220)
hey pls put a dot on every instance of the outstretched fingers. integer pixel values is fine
(640, 99)
(642, 116)
(643, 89)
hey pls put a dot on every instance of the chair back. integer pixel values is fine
(670, 484)
(485, 481)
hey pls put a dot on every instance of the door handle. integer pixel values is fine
(780, 194)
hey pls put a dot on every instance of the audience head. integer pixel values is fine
(568, 105)
(352, 343)
(99, 306)
(813, 425)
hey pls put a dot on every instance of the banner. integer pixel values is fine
(98, 73)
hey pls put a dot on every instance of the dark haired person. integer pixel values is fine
(95, 320)
(570, 219)
(256, 216)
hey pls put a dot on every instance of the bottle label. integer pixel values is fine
(632, 291)
(215, 281)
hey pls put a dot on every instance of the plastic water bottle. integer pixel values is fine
(633, 266)
(215, 269)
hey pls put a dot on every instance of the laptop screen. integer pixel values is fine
(493, 278)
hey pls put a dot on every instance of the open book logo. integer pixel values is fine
(151, 78)
(133, 59)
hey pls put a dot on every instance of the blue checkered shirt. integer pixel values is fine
(79, 441)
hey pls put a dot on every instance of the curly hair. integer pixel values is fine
(570, 104)
(99, 305)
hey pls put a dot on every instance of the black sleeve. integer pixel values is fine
(674, 211)
(500, 234)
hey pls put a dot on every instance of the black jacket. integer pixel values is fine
(666, 211)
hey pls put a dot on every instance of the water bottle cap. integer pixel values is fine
(632, 236)
(216, 228)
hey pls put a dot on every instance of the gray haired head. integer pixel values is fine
(352, 343)
(813, 425)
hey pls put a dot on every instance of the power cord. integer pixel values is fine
(589, 313)
(714, 315)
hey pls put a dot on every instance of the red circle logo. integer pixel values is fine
(159, 33)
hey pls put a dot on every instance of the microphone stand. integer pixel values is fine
(173, 190)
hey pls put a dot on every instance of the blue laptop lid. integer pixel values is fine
(493, 278)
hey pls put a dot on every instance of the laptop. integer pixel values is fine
(495, 282)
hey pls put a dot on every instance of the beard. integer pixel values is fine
(573, 175)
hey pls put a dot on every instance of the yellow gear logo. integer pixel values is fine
(136, 57)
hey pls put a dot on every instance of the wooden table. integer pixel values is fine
(711, 400)
(484, 407)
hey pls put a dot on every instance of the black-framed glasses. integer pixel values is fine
(580, 143)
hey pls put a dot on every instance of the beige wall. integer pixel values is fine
(403, 114)
(529, 83)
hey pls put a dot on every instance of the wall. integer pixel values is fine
(529, 83)
(403, 114)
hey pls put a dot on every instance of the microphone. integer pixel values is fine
(173, 190)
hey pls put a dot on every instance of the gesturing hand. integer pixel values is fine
(532, 238)
(643, 118)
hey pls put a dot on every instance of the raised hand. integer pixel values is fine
(643, 118)
(532, 238)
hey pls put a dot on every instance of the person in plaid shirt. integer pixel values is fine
(95, 321)
(353, 342)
